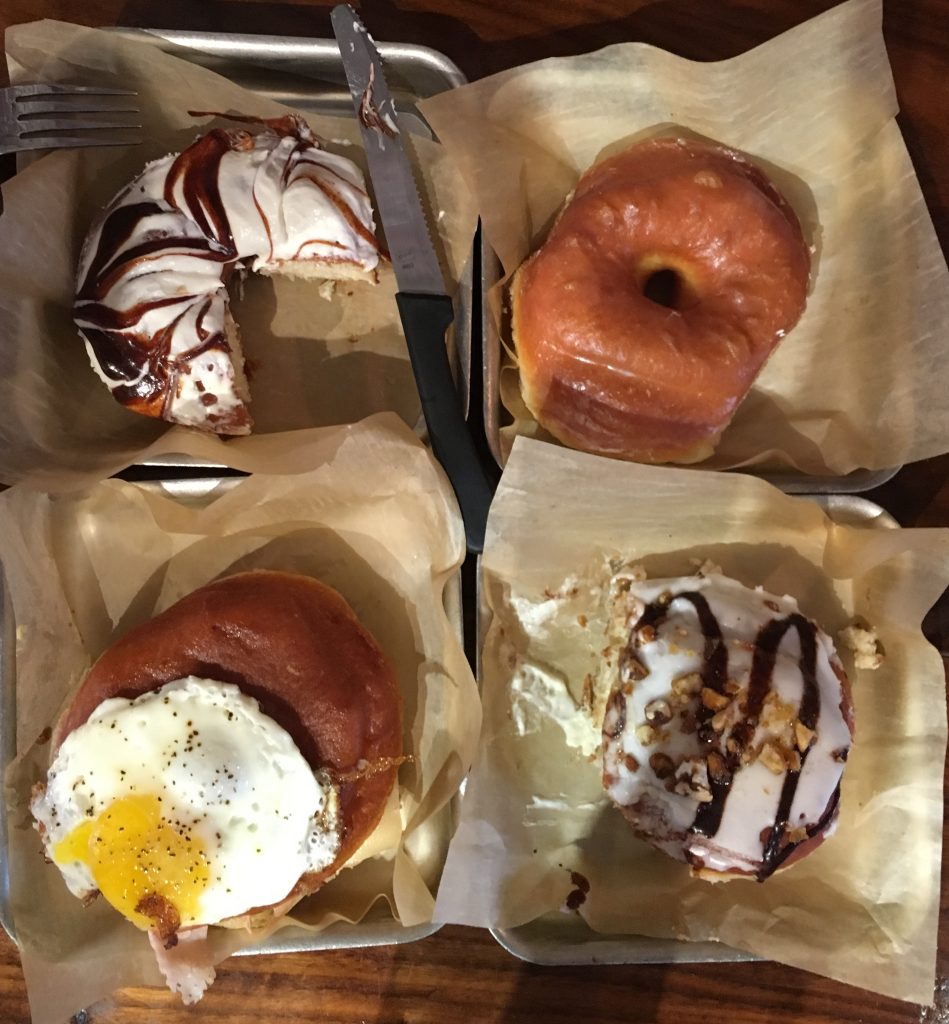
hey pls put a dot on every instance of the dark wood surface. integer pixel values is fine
(462, 975)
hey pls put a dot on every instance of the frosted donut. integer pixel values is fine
(151, 302)
(666, 282)
(726, 733)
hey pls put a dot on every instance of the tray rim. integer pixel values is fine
(606, 948)
(290, 938)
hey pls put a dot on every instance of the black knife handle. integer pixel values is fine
(425, 319)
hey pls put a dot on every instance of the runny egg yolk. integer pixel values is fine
(132, 851)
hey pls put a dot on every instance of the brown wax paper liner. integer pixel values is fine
(859, 381)
(864, 907)
(315, 360)
(364, 509)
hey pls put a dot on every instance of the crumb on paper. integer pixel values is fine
(865, 645)
(706, 567)
(327, 290)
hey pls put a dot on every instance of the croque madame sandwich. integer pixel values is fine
(221, 762)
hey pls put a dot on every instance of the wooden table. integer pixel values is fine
(461, 975)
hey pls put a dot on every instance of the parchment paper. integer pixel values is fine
(315, 361)
(366, 511)
(860, 381)
(864, 907)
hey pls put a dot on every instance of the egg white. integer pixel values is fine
(219, 765)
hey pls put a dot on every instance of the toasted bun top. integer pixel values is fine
(296, 647)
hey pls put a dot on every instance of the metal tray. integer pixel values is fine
(307, 74)
(491, 359)
(377, 928)
(565, 939)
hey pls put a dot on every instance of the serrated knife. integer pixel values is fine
(424, 306)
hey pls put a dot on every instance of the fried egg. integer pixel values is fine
(186, 804)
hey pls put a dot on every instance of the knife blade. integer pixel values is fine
(424, 306)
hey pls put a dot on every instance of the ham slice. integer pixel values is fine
(187, 964)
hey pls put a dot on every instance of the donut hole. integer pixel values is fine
(668, 281)
(664, 287)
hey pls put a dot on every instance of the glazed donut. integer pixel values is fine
(668, 279)
(151, 302)
(726, 733)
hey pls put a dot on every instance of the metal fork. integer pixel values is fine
(50, 117)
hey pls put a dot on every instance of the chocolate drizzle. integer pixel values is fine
(197, 169)
(777, 845)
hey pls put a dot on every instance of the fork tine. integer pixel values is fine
(85, 103)
(43, 126)
(46, 89)
(76, 142)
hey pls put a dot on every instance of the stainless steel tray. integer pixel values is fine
(378, 928)
(566, 939)
(307, 74)
(790, 482)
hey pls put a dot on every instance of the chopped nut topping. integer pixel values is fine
(797, 835)
(658, 712)
(713, 700)
(773, 605)
(771, 758)
(646, 635)
(793, 760)
(689, 724)
(803, 736)
(717, 769)
(720, 720)
(631, 763)
(732, 687)
(691, 779)
(687, 685)
(631, 668)
(645, 734)
(731, 746)
(662, 765)
(840, 756)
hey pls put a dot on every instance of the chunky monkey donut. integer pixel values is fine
(728, 728)
(666, 282)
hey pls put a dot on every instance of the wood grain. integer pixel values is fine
(461, 975)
